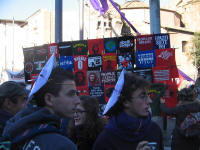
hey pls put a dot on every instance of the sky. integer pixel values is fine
(22, 9)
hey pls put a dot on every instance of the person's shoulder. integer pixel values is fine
(103, 140)
(155, 127)
(104, 136)
(56, 140)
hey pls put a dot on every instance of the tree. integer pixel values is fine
(196, 42)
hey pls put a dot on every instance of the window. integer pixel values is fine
(184, 43)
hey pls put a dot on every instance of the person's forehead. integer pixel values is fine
(67, 83)
(139, 91)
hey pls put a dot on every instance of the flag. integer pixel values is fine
(116, 93)
(96, 5)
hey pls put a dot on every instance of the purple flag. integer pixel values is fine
(104, 8)
(97, 7)
(114, 5)
(185, 76)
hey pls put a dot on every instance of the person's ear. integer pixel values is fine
(126, 104)
(48, 98)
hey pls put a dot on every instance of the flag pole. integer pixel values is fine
(81, 19)
(58, 20)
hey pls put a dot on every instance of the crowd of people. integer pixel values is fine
(63, 120)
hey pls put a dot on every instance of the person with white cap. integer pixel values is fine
(130, 126)
(56, 97)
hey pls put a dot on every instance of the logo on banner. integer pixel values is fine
(111, 46)
(145, 40)
(125, 44)
(66, 62)
(145, 58)
(28, 67)
(165, 55)
(161, 75)
(108, 77)
(80, 60)
(94, 61)
(161, 41)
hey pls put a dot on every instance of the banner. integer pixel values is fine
(110, 45)
(144, 42)
(161, 41)
(145, 59)
(96, 46)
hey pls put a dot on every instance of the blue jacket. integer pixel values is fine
(4, 116)
(29, 118)
(125, 134)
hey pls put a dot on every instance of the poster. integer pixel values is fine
(65, 49)
(93, 78)
(145, 59)
(40, 58)
(108, 77)
(109, 62)
(161, 41)
(67, 63)
(80, 47)
(80, 78)
(28, 62)
(53, 48)
(144, 42)
(126, 44)
(110, 45)
(94, 62)
(98, 92)
(96, 46)
(125, 61)
(80, 63)
(165, 57)
(161, 74)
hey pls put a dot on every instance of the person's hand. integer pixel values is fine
(143, 146)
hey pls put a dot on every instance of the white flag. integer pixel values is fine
(116, 93)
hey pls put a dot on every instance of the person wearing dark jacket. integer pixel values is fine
(86, 124)
(56, 99)
(130, 126)
(12, 100)
(187, 104)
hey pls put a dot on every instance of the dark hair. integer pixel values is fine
(93, 124)
(132, 82)
(53, 85)
(186, 94)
